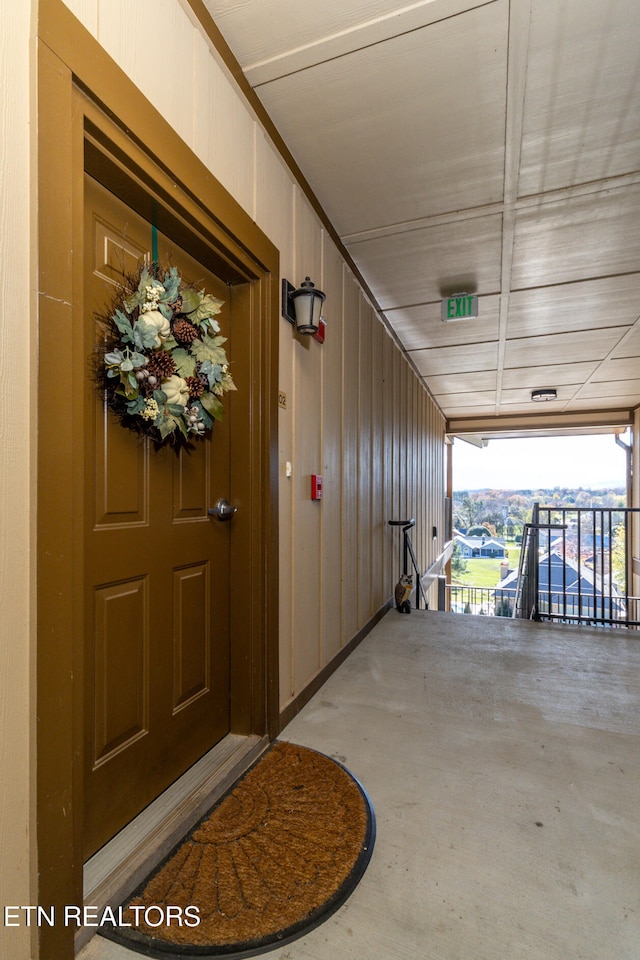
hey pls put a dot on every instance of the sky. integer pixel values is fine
(592, 462)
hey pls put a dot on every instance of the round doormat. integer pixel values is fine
(273, 859)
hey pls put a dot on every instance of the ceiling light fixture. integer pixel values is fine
(544, 393)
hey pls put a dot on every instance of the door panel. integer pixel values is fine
(156, 570)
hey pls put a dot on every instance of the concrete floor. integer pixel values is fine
(503, 762)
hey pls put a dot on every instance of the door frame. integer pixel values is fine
(92, 118)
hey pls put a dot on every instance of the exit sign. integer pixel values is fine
(462, 306)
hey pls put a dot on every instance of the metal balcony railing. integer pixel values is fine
(584, 572)
(575, 567)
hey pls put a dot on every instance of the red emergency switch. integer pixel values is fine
(316, 486)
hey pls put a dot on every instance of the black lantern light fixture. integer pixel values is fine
(544, 393)
(302, 307)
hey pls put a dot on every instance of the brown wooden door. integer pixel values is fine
(156, 569)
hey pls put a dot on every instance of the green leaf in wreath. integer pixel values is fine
(209, 348)
(123, 324)
(208, 307)
(203, 415)
(175, 409)
(135, 406)
(212, 371)
(182, 427)
(190, 300)
(185, 363)
(212, 405)
(171, 286)
(166, 426)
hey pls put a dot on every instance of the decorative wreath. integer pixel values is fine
(163, 366)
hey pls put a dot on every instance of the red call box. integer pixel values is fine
(316, 486)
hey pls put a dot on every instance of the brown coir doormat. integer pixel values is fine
(274, 858)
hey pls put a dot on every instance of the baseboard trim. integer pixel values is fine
(295, 706)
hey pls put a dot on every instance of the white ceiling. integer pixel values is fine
(485, 146)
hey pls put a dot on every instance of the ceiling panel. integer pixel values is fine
(620, 370)
(617, 389)
(418, 120)
(539, 351)
(549, 375)
(586, 305)
(482, 147)
(466, 384)
(479, 357)
(629, 345)
(423, 265)
(293, 24)
(422, 326)
(578, 238)
(580, 121)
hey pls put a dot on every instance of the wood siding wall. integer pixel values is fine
(355, 411)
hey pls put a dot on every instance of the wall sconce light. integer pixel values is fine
(544, 393)
(302, 307)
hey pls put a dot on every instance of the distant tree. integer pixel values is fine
(470, 510)
(458, 562)
(619, 555)
(479, 531)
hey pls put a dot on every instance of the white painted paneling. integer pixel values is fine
(87, 13)
(298, 29)
(224, 129)
(469, 382)
(480, 357)
(530, 351)
(331, 357)
(564, 240)
(579, 124)
(365, 492)
(18, 430)
(551, 374)
(626, 368)
(307, 452)
(575, 306)
(378, 518)
(274, 189)
(350, 412)
(424, 96)
(154, 43)
(421, 327)
(421, 266)
(616, 390)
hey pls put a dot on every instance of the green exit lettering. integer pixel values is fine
(462, 307)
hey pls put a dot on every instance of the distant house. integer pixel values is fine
(564, 588)
(480, 546)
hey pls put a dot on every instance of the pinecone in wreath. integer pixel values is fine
(161, 365)
(196, 387)
(185, 332)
